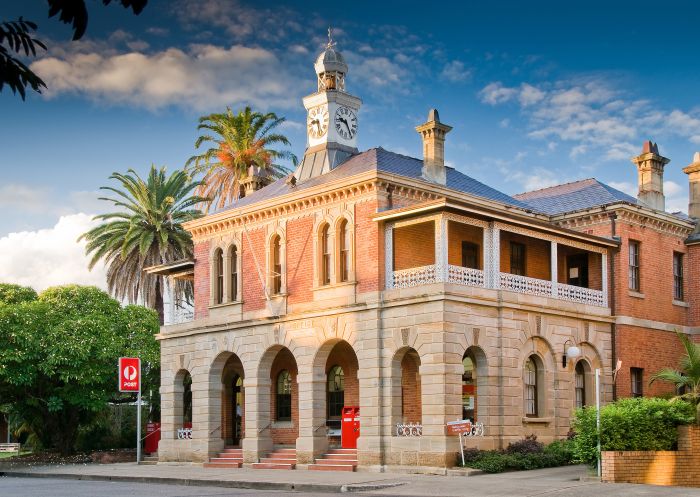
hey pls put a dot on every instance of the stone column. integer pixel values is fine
(389, 255)
(257, 441)
(206, 417)
(313, 440)
(554, 269)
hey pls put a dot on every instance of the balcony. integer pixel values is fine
(451, 248)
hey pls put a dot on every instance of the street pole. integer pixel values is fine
(138, 426)
(597, 415)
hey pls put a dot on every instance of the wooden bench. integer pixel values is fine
(9, 448)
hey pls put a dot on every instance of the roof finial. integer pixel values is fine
(331, 43)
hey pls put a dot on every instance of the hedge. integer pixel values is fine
(522, 455)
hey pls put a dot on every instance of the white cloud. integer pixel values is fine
(496, 93)
(625, 186)
(504, 123)
(204, 77)
(672, 189)
(23, 197)
(530, 95)
(455, 72)
(49, 257)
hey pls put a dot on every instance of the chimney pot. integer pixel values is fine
(433, 133)
(650, 168)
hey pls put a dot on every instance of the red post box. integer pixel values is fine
(150, 444)
(350, 427)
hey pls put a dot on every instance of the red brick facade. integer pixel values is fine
(201, 280)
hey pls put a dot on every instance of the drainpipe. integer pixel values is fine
(611, 293)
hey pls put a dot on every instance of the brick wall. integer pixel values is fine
(411, 403)
(300, 259)
(649, 349)
(201, 280)
(284, 436)
(458, 233)
(537, 258)
(693, 285)
(369, 265)
(677, 468)
(414, 245)
(253, 295)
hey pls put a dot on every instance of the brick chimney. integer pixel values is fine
(433, 133)
(650, 166)
(255, 180)
(693, 172)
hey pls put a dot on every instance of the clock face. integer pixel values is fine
(346, 122)
(317, 122)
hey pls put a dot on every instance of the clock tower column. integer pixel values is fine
(332, 117)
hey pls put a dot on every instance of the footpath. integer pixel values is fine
(565, 481)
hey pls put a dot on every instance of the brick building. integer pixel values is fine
(418, 294)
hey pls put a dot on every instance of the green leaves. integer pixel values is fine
(13, 72)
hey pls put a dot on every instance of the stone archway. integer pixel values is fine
(227, 376)
(278, 398)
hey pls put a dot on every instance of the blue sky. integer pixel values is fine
(537, 92)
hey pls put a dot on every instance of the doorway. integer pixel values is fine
(237, 415)
(577, 270)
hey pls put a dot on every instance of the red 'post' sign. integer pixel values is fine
(129, 374)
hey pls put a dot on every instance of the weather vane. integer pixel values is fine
(331, 43)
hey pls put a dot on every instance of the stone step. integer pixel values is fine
(278, 460)
(276, 465)
(284, 451)
(229, 465)
(232, 451)
(342, 451)
(228, 455)
(335, 462)
(340, 456)
(283, 455)
(226, 460)
(331, 467)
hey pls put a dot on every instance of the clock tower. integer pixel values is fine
(332, 117)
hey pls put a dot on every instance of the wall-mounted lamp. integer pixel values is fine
(572, 352)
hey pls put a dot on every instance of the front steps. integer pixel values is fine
(336, 460)
(231, 457)
(278, 459)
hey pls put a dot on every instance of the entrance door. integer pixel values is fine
(238, 407)
(577, 272)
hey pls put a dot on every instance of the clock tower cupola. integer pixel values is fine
(332, 116)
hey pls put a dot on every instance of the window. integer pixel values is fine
(234, 273)
(276, 265)
(634, 265)
(336, 392)
(219, 261)
(678, 276)
(517, 258)
(345, 242)
(531, 392)
(470, 255)
(637, 378)
(325, 255)
(187, 399)
(284, 396)
(469, 388)
(580, 385)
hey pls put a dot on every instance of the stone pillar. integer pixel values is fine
(369, 445)
(207, 438)
(492, 256)
(389, 255)
(313, 440)
(257, 441)
(554, 269)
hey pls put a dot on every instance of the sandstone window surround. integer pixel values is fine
(440, 269)
(533, 381)
(226, 277)
(334, 251)
(277, 263)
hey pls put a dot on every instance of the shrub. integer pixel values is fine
(522, 455)
(528, 445)
(630, 424)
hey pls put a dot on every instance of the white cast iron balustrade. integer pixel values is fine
(184, 433)
(409, 429)
(581, 294)
(414, 276)
(465, 276)
(524, 284)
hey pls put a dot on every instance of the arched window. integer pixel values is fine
(326, 255)
(531, 388)
(580, 385)
(187, 399)
(336, 392)
(276, 264)
(284, 396)
(344, 252)
(469, 387)
(234, 273)
(219, 262)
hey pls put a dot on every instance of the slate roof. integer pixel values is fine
(380, 160)
(575, 196)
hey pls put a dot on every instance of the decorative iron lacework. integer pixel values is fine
(477, 430)
(184, 433)
(581, 294)
(552, 238)
(465, 220)
(389, 255)
(524, 284)
(409, 430)
(414, 276)
(465, 276)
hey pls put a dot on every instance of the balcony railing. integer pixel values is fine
(425, 275)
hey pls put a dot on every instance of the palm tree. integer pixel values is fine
(237, 142)
(687, 380)
(146, 232)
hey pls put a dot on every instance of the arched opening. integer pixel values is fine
(284, 395)
(583, 387)
(469, 386)
(326, 256)
(187, 401)
(276, 265)
(345, 241)
(219, 271)
(233, 401)
(183, 401)
(411, 404)
(233, 278)
(533, 380)
(342, 386)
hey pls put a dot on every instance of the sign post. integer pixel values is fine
(130, 381)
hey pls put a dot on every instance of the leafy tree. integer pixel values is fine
(17, 35)
(147, 231)
(14, 294)
(686, 379)
(58, 357)
(238, 141)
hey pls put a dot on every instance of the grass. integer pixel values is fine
(6, 455)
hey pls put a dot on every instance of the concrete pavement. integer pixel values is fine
(552, 482)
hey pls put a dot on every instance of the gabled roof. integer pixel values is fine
(380, 160)
(575, 196)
